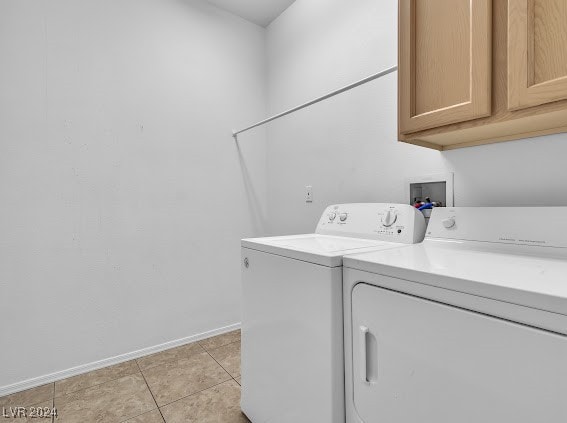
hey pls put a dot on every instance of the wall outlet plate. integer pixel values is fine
(308, 194)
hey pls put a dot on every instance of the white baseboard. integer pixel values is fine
(89, 367)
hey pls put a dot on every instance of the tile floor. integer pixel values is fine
(197, 382)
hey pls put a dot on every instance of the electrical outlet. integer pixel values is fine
(308, 194)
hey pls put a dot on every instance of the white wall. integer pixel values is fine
(123, 197)
(346, 147)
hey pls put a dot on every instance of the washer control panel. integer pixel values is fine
(389, 218)
(383, 221)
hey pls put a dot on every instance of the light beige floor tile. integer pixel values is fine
(239, 380)
(220, 340)
(113, 401)
(228, 357)
(170, 355)
(87, 380)
(28, 397)
(172, 381)
(153, 416)
(32, 413)
(219, 404)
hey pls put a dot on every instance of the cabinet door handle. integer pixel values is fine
(362, 334)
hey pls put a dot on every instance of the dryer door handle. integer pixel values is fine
(362, 345)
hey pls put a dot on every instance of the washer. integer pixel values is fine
(292, 317)
(468, 326)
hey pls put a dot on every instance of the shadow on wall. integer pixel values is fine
(258, 217)
(529, 172)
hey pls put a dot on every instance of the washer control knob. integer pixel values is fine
(343, 217)
(332, 216)
(389, 218)
(449, 223)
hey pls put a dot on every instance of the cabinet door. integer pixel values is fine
(537, 52)
(416, 360)
(445, 50)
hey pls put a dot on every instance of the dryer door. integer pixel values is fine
(416, 360)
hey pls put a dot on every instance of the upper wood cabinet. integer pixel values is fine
(445, 55)
(481, 71)
(537, 52)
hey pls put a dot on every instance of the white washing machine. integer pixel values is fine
(469, 326)
(292, 316)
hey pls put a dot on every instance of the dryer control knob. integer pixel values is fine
(449, 223)
(332, 216)
(343, 217)
(389, 218)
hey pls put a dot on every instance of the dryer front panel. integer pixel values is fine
(416, 360)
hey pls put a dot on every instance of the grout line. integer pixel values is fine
(84, 389)
(170, 360)
(150, 389)
(95, 385)
(225, 345)
(230, 374)
(53, 404)
(54, 396)
(57, 376)
(197, 392)
(220, 364)
(138, 415)
(194, 393)
(220, 346)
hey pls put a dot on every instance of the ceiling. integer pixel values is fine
(261, 12)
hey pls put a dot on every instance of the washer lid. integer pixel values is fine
(320, 249)
(534, 277)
